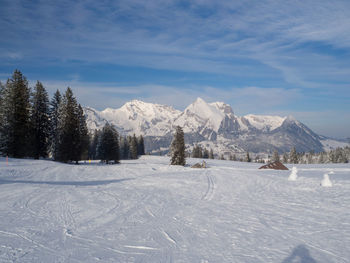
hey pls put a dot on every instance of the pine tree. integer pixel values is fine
(108, 145)
(93, 145)
(2, 119)
(15, 127)
(54, 122)
(83, 135)
(247, 158)
(276, 156)
(293, 156)
(178, 148)
(140, 146)
(40, 121)
(124, 148)
(69, 130)
(133, 147)
(211, 154)
(200, 152)
(197, 151)
(285, 158)
(205, 153)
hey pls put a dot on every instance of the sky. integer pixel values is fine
(261, 57)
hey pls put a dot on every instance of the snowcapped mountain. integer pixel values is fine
(212, 125)
(135, 117)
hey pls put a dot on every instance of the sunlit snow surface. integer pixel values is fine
(147, 211)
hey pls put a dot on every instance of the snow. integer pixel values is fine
(326, 182)
(199, 114)
(142, 118)
(330, 144)
(294, 174)
(265, 122)
(147, 211)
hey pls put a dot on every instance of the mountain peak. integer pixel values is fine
(199, 100)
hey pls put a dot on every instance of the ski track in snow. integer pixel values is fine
(148, 211)
(209, 194)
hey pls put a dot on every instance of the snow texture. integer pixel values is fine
(148, 211)
(326, 182)
(294, 174)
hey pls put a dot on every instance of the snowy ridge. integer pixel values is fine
(210, 122)
(264, 122)
(200, 114)
(142, 118)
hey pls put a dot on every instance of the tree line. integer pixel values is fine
(338, 155)
(107, 145)
(199, 152)
(32, 126)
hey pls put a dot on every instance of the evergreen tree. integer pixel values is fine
(15, 114)
(293, 156)
(285, 158)
(125, 151)
(94, 138)
(178, 148)
(321, 158)
(2, 118)
(247, 158)
(40, 121)
(69, 148)
(133, 147)
(140, 146)
(276, 156)
(200, 152)
(108, 145)
(233, 157)
(54, 123)
(83, 135)
(197, 151)
(205, 153)
(211, 154)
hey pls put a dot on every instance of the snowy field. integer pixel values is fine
(147, 211)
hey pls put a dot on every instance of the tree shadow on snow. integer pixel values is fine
(75, 183)
(300, 254)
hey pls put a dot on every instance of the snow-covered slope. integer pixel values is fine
(264, 122)
(141, 118)
(331, 144)
(199, 115)
(148, 211)
(210, 124)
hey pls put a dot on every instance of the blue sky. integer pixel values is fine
(261, 57)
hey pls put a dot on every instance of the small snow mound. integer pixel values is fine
(326, 182)
(331, 172)
(293, 175)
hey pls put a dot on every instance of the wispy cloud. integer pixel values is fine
(271, 53)
(224, 37)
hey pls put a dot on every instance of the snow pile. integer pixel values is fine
(293, 175)
(326, 182)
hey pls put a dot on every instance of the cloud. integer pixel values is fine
(272, 54)
(200, 36)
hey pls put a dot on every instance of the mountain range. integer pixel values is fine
(212, 125)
